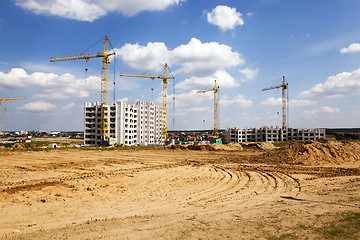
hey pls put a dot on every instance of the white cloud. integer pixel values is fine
(68, 106)
(271, 101)
(325, 109)
(38, 106)
(143, 57)
(90, 10)
(203, 59)
(188, 98)
(292, 103)
(224, 80)
(226, 18)
(237, 101)
(198, 109)
(123, 99)
(51, 96)
(342, 84)
(132, 7)
(80, 10)
(195, 58)
(249, 74)
(54, 86)
(353, 47)
(301, 103)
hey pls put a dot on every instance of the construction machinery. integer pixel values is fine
(283, 86)
(104, 84)
(164, 77)
(216, 91)
(8, 100)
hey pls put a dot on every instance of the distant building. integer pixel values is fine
(25, 139)
(129, 122)
(330, 137)
(271, 134)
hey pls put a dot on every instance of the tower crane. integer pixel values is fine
(7, 100)
(104, 83)
(283, 86)
(216, 91)
(164, 77)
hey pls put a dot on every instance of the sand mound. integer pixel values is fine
(18, 146)
(320, 152)
(258, 145)
(209, 147)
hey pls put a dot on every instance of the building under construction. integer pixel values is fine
(271, 134)
(129, 123)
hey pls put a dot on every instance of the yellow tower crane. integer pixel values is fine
(283, 86)
(216, 91)
(7, 100)
(164, 77)
(104, 83)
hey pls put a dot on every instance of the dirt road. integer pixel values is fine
(252, 193)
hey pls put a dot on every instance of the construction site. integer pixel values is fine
(131, 179)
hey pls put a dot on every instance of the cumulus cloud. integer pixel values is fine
(90, 10)
(238, 101)
(38, 106)
(353, 47)
(51, 95)
(54, 86)
(198, 109)
(132, 7)
(143, 57)
(325, 109)
(81, 10)
(199, 58)
(68, 106)
(249, 74)
(195, 58)
(224, 80)
(271, 101)
(226, 18)
(342, 84)
(188, 98)
(293, 103)
(301, 103)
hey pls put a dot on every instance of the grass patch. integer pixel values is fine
(347, 227)
(342, 226)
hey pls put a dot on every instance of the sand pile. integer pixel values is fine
(320, 152)
(209, 147)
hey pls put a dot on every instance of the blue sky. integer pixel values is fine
(246, 45)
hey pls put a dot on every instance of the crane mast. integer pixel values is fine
(104, 84)
(216, 91)
(7, 100)
(283, 86)
(164, 77)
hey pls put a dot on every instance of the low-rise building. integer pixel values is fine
(271, 134)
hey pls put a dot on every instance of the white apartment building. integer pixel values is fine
(129, 123)
(271, 134)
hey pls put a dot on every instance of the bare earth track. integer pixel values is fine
(248, 191)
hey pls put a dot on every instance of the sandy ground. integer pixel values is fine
(171, 193)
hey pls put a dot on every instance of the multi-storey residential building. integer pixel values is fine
(129, 123)
(271, 134)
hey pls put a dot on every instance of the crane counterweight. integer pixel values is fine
(8, 100)
(283, 86)
(104, 83)
(164, 77)
(216, 91)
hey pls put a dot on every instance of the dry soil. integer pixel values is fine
(238, 191)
